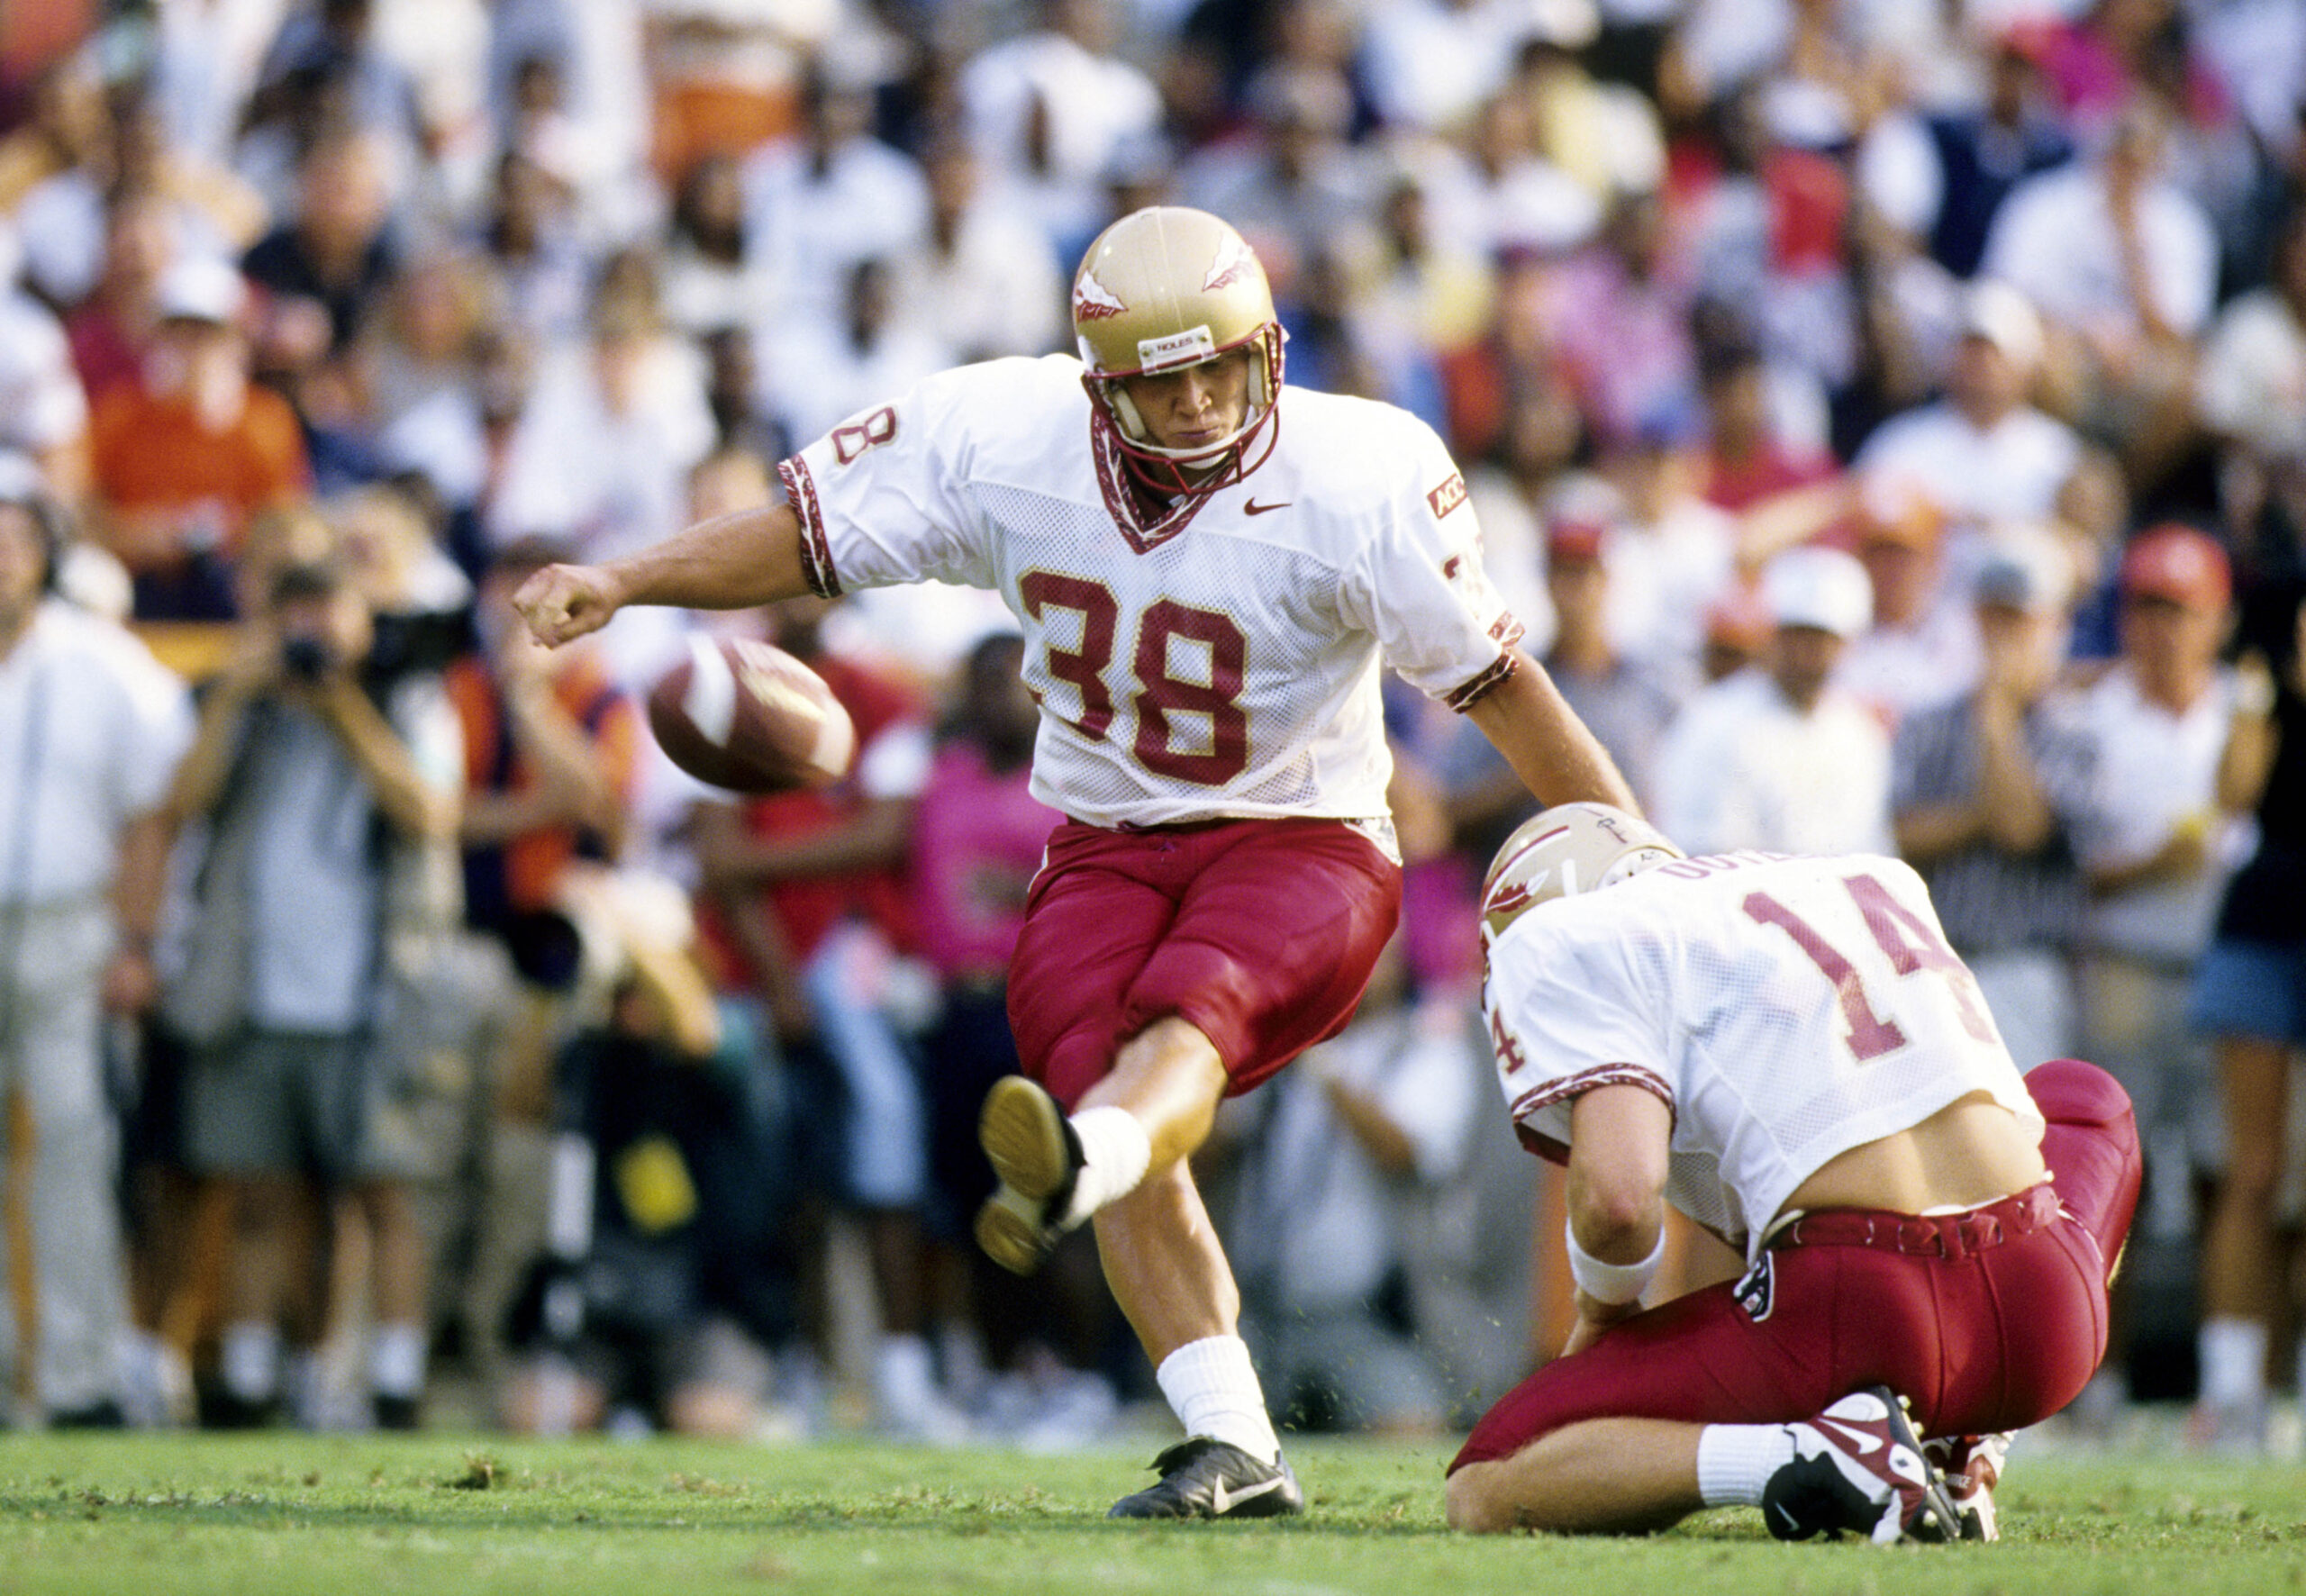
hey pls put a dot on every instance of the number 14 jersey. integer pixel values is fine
(1787, 1010)
(1221, 659)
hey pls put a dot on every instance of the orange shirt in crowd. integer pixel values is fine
(522, 874)
(153, 461)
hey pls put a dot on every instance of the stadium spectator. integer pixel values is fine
(1922, 647)
(2155, 846)
(977, 838)
(1185, 1007)
(324, 269)
(639, 1310)
(613, 424)
(1625, 701)
(183, 458)
(1786, 1052)
(1777, 756)
(1986, 150)
(1749, 456)
(111, 331)
(1671, 552)
(43, 406)
(530, 230)
(1987, 453)
(1051, 109)
(808, 892)
(1297, 189)
(710, 280)
(2251, 394)
(549, 745)
(107, 137)
(2249, 990)
(92, 727)
(826, 196)
(2122, 263)
(1980, 787)
(982, 277)
(1337, 1187)
(317, 801)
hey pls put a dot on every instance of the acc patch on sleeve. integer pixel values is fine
(1448, 496)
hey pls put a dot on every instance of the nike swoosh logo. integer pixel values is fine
(1222, 1501)
(1790, 1522)
(1866, 1441)
(1254, 508)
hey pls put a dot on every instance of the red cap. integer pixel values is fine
(2177, 563)
(1570, 538)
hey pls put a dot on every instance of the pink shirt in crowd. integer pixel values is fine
(977, 839)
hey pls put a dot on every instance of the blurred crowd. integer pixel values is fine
(1888, 417)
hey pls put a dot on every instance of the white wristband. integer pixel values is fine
(1611, 1283)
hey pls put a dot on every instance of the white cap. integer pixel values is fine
(202, 288)
(1822, 587)
(2005, 318)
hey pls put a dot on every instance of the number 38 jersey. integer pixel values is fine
(1787, 1010)
(1221, 660)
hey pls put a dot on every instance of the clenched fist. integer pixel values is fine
(564, 601)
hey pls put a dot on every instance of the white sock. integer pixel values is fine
(247, 1357)
(1213, 1389)
(2233, 1353)
(1115, 1153)
(1735, 1461)
(396, 1360)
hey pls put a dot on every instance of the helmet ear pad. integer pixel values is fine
(1125, 413)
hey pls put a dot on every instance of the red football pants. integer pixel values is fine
(1261, 933)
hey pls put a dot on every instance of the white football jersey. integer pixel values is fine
(1787, 1010)
(1222, 661)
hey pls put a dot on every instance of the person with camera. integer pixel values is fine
(322, 791)
(90, 728)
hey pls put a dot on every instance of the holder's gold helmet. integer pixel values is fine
(1562, 851)
(1167, 287)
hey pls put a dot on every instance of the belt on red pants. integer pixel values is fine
(1935, 1235)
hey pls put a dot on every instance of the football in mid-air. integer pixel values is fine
(742, 714)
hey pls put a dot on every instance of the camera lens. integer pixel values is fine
(305, 659)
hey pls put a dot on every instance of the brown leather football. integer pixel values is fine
(745, 715)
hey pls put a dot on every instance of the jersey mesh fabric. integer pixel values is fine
(1788, 1010)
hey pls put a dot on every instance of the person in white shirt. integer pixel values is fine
(1207, 567)
(2155, 847)
(1786, 1051)
(1984, 451)
(1777, 756)
(1922, 648)
(90, 727)
(2250, 389)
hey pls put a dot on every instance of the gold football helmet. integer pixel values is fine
(1562, 851)
(1167, 287)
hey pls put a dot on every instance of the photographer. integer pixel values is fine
(320, 803)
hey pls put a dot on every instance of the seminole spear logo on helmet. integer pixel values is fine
(1094, 302)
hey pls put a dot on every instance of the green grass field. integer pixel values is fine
(156, 1515)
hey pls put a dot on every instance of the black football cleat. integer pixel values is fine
(1205, 1478)
(1035, 1151)
(1859, 1467)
